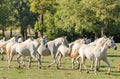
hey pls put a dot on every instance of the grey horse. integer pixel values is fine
(50, 48)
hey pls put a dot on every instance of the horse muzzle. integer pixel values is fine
(46, 46)
(115, 48)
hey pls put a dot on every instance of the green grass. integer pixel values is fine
(64, 73)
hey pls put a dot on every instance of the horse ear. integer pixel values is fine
(65, 37)
(109, 37)
(112, 37)
(105, 36)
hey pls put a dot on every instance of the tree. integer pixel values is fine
(98, 14)
(23, 17)
(41, 7)
(3, 15)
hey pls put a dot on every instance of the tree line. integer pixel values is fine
(71, 18)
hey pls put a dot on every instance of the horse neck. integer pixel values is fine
(104, 45)
(58, 41)
(97, 41)
(36, 43)
(27, 41)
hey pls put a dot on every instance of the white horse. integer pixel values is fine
(73, 51)
(3, 44)
(25, 49)
(9, 45)
(96, 53)
(73, 48)
(62, 51)
(51, 48)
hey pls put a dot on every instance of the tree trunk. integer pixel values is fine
(3, 32)
(29, 32)
(36, 34)
(42, 22)
(11, 32)
(95, 36)
(41, 33)
(25, 33)
(102, 32)
(22, 32)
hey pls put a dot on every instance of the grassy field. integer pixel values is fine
(64, 73)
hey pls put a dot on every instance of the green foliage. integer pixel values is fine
(4, 13)
(72, 18)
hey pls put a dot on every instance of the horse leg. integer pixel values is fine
(39, 61)
(85, 66)
(59, 61)
(92, 64)
(54, 60)
(2, 58)
(73, 63)
(78, 61)
(18, 60)
(80, 68)
(83, 63)
(96, 65)
(29, 63)
(9, 60)
(2, 53)
(23, 61)
(106, 61)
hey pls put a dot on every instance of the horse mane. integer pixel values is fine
(75, 54)
(8, 53)
(70, 48)
(69, 52)
(78, 40)
(102, 43)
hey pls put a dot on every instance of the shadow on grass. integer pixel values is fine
(113, 55)
(115, 73)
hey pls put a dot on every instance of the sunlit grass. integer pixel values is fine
(64, 73)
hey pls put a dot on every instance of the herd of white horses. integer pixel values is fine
(78, 50)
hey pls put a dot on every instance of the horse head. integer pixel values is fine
(43, 41)
(64, 41)
(112, 43)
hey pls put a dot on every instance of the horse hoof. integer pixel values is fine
(58, 68)
(87, 71)
(8, 67)
(97, 69)
(107, 73)
(18, 66)
(78, 67)
(2, 59)
(95, 73)
(28, 68)
(24, 65)
(80, 71)
(39, 67)
(49, 66)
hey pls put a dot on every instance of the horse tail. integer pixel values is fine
(70, 49)
(8, 52)
(75, 55)
(69, 52)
